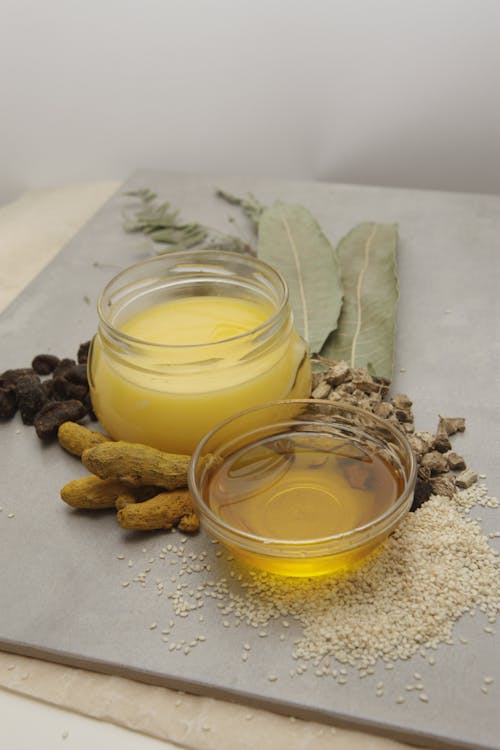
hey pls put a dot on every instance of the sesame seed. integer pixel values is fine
(488, 680)
(272, 677)
(11, 515)
(400, 699)
(424, 698)
(484, 689)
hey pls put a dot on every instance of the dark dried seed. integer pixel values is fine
(53, 414)
(90, 409)
(83, 352)
(10, 377)
(64, 366)
(31, 397)
(78, 375)
(63, 390)
(44, 364)
(8, 402)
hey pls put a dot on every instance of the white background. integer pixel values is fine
(389, 92)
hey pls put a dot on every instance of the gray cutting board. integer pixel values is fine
(60, 580)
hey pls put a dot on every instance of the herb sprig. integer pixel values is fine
(162, 224)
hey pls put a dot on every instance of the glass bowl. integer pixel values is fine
(302, 487)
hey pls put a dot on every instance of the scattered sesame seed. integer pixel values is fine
(424, 698)
(153, 626)
(272, 677)
(125, 584)
(65, 735)
(488, 680)
(484, 689)
(400, 699)
(249, 717)
(11, 515)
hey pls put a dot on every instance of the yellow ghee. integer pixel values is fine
(187, 363)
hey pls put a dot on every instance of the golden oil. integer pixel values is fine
(304, 488)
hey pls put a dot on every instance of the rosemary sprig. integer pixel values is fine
(162, 224)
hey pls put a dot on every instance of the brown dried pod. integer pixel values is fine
(64, 366)
(8, 402)
(64, 390)
(31, 397)
(53, 414)
(10, 377)
(83, 352)
(78, 375)
(44, 364)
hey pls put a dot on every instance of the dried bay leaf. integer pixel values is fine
(367, 324)
(291, 240)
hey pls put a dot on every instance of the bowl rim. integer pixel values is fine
(306, 547)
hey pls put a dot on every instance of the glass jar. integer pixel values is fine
(170, 385)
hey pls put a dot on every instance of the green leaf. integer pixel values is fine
(367, 324)
(291, 240)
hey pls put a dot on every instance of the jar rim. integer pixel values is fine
(197, 255)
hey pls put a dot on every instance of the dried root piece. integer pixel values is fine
(136, 465)
(455, 462)
(443, 485)
(75, 438)
(92, 493)
(435, 460)
(132, 495)
(466, 479)
(163, 511)
(451, 425)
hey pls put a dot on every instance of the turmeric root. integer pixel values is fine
(132, 495)
(163, 511)
(135, 465)
(75, 438)
(92, 493)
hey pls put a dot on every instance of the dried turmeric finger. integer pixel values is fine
(136, 464)
(92, 493)
(163, 511)
(132, 495)
(75, 438)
